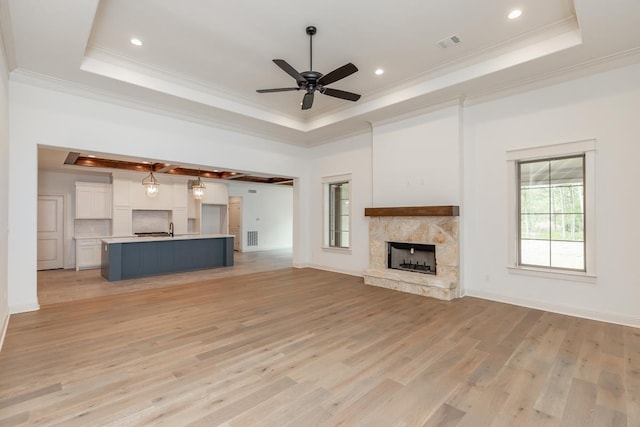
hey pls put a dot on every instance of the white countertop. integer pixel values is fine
(81, 237)
(134, 239)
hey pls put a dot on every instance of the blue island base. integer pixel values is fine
(131, 259)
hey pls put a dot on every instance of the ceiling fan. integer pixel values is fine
(310, 81)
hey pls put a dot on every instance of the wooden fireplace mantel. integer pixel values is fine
(414, 211)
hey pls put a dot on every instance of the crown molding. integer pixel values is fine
(106, 62)
(567, 27)
(587, 68)
(328, 131)
(281, 135)
(557, 39)
(110, 58)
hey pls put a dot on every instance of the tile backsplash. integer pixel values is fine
(145, 221)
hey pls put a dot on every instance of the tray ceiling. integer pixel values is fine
(205, 60)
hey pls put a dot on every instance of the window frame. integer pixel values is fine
(326, 238)
(585, 148)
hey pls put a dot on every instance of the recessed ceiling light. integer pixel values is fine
(515, 13)
(145, 162)
(136, 41)
(91, 155)
(379, 72)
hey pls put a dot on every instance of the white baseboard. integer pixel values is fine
(264, 248)
(336, 270)
(24, 308)
(620, 319)
(3, 332)
(302, 265)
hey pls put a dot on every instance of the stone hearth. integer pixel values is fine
(441, 231)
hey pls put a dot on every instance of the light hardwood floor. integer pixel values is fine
(304, 347)
(70, 285)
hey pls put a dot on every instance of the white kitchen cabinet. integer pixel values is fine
(180, 221)
(193, 206)
(122, 221)
(121, 192)
(180, 194)
(88, 253)
(216, 194)
(93, 200)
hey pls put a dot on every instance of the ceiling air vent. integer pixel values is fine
(448, 42)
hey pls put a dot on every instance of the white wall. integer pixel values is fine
(269, 211)
(64, 184)
(413, 161)
(416, 161)
(47, 117)
(347, 156)
(605, 107)
(4, 191)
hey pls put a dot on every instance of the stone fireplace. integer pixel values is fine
(403, 231)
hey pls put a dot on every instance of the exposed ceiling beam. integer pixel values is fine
(171, 169)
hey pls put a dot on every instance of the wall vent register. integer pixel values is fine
(252, 238)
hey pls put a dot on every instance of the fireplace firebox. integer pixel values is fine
(414, 257)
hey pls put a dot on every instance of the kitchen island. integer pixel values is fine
(131, 257)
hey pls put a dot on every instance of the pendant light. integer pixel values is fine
(198, 188)
(151, 184)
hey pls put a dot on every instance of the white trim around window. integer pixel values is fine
(586, 148)
(326, 182)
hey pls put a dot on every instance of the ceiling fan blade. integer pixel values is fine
(289, 69)
(337, 74)
(280, 89)
(349, 96)
(307, 101)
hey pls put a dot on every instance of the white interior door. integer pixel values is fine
(235, 220)
(50, 232)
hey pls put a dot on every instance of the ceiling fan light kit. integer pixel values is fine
(312, 81)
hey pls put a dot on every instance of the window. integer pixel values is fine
(337, 212)
(551, 211)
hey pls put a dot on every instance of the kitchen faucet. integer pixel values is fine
(171, 229)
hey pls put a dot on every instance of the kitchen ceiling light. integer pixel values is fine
(515, 14)
(198, 188)
(379, 72)
(136, 42)
(151, 185)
